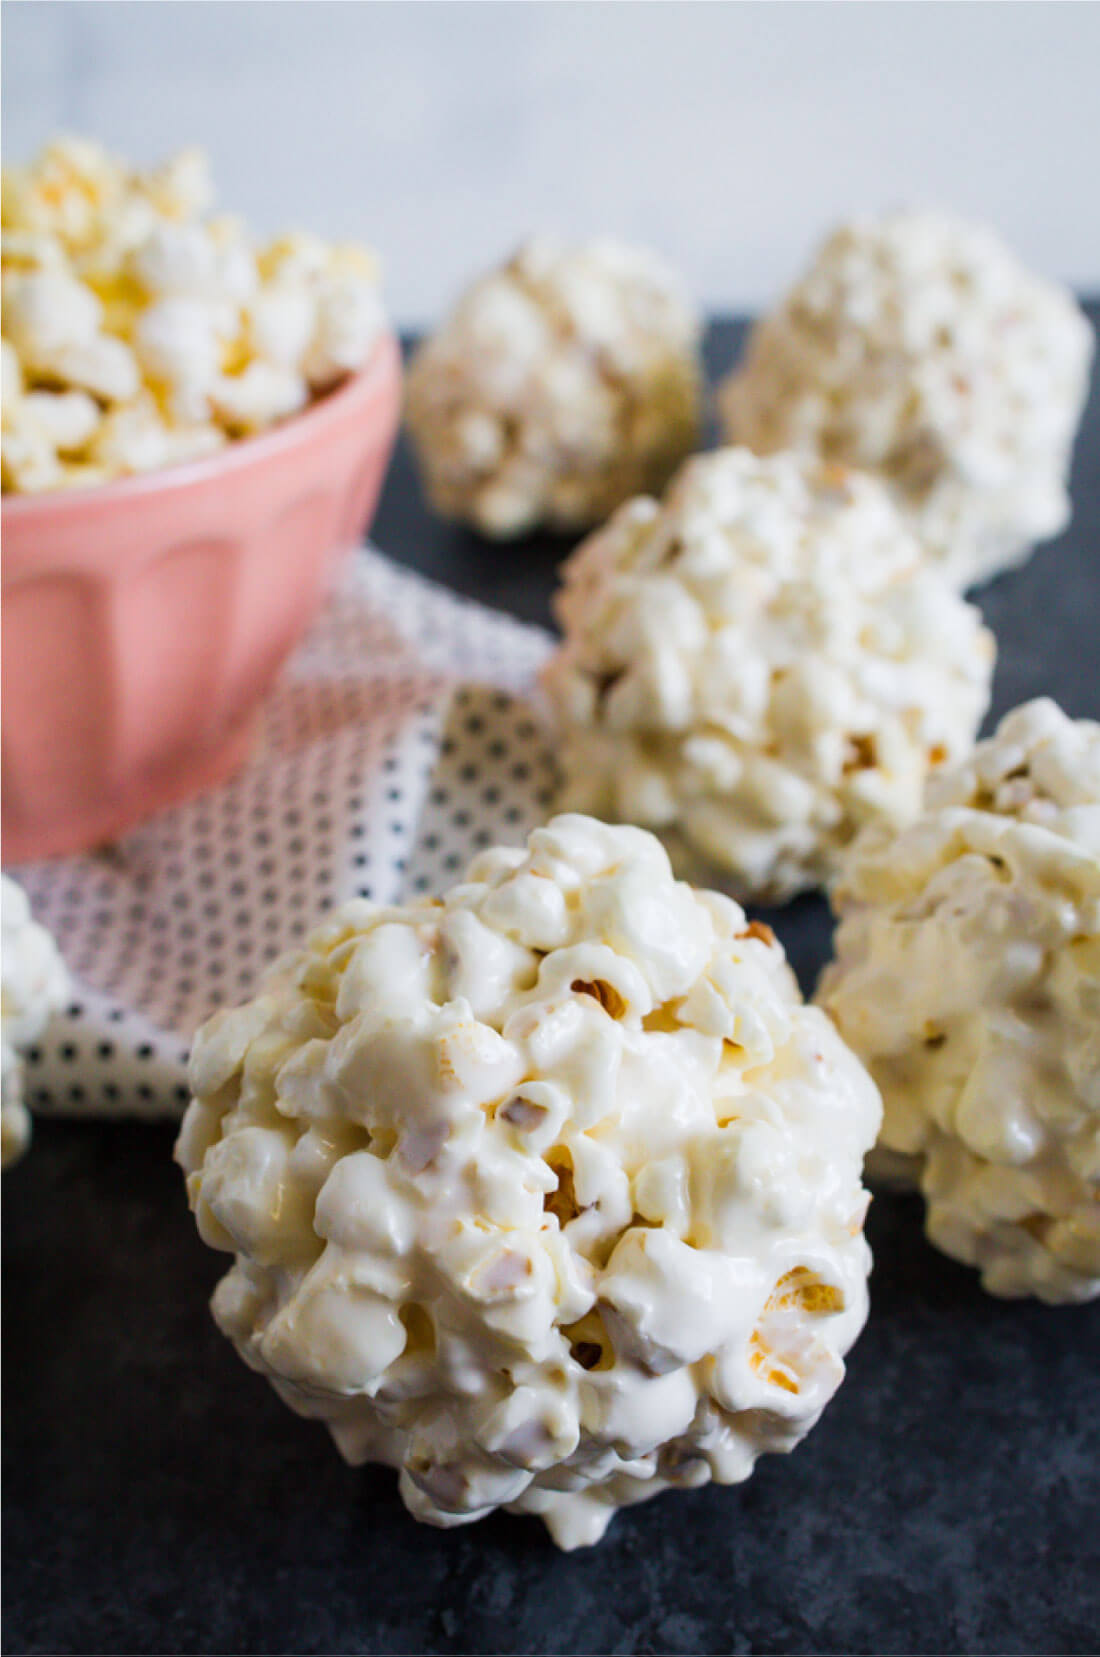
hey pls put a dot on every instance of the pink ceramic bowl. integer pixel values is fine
(143, 620)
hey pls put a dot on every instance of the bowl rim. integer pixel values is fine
(238, 454)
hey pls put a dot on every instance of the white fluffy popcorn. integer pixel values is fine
(33, 986)
(181, 187)
(918, 347)
(759, 666)
(11, 374)
(547, 1194)
(178, 346)
(118, 287)
(43, 432)
(72, 187)
(136, 438)
(562, 382)
(47, 312)
(210, 261)
(281, 320)
(69, 418)
(29, 459)
(54, 323)
(967, 976)
(349, 316)
(260, 394)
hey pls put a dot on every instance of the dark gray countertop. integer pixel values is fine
(158, 1497)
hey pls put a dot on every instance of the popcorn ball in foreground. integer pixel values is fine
(33, 986)
(918, 347)
(968, 978)
(139, 332)
(561, 383)
(547, 1195)
(758, 667)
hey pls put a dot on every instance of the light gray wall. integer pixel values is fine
(728, 135)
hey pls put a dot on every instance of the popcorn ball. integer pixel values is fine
(140, 332)
(917, 347)
(561, 383)
(547, 1194)
(758, 667)
(968, 978)
(33, 986)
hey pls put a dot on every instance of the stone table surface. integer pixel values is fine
(158, 1497)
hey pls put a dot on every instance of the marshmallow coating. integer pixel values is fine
(546, 1194)
(758, 666)
(917, 346)
(33, 985)
(562, 382)
(967, 977)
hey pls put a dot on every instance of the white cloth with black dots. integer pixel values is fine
(394, 746)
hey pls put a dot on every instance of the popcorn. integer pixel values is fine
(758, 667)
(31, 464)
(103, 264)
(261, 394)
(547, 1194)
(211, 264)
(66, 193)
(281, 321)
(105, 367)
(54, 323)
(40, 429)
(297, 258)
(181, 187)
(349, 316)
(11, 374)
(561, 383)
(967, 976)
(47, 312)
(177, 344)
(917, 347)
(68, 417)
(176, 259)
(33, 986)
(318, 310)
(171, 326)
(136, 439)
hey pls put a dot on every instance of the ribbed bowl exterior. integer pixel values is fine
(144, 620)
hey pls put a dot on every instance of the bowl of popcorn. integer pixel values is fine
(195, 428)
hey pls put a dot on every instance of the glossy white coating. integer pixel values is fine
(33, 985)
(918, 347)
(561, 383)
(758, 666)
(967, 976)
(546, 1194)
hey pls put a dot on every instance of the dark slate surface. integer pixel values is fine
(158, 1497)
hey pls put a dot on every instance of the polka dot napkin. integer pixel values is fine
(395, 745)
